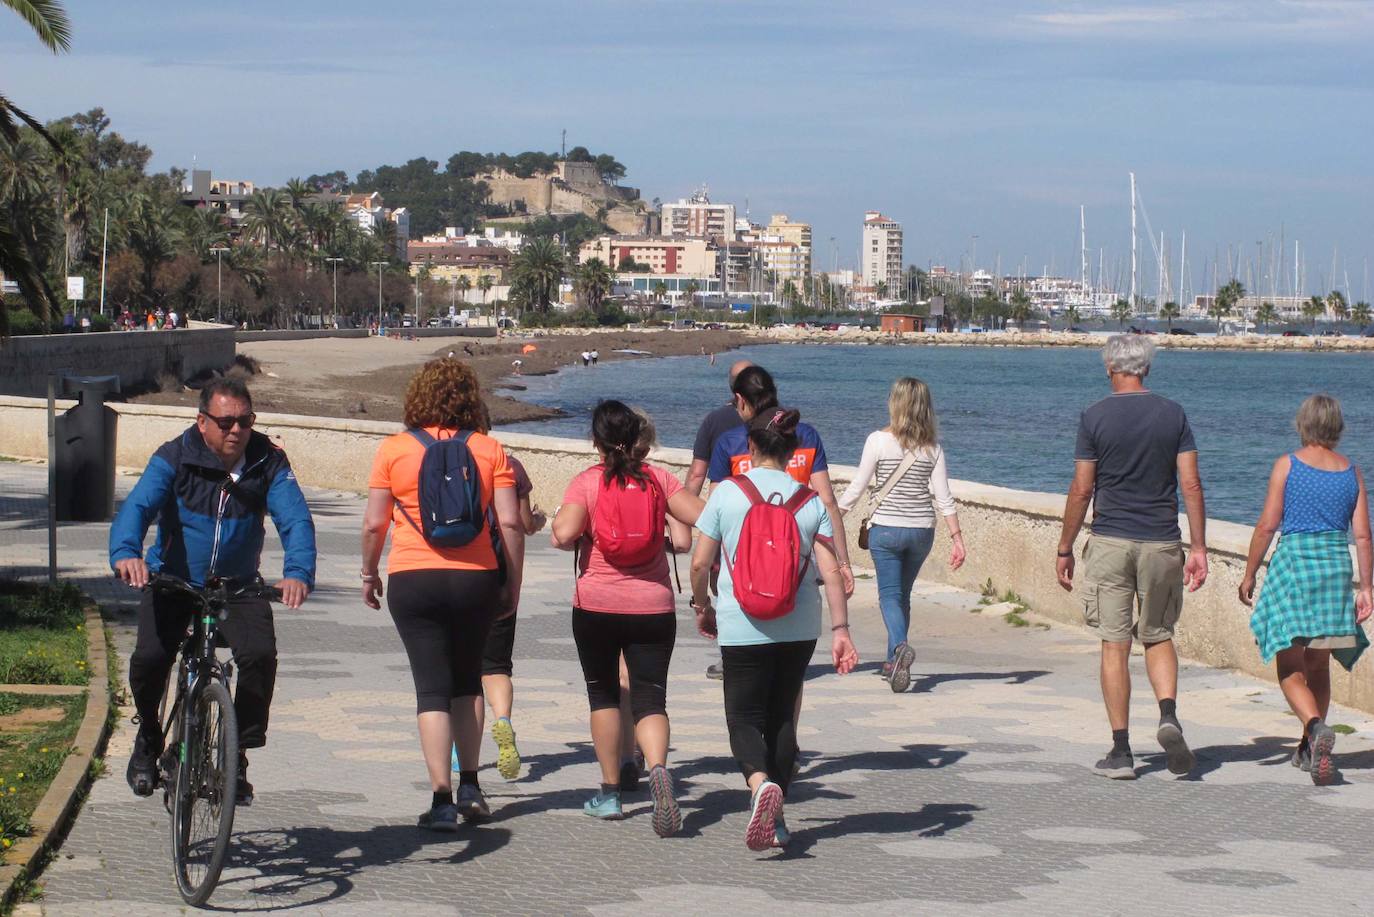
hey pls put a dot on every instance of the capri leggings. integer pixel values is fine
(443, 617)
(647, 642)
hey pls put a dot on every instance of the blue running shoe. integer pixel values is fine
(443, 817)
(605, 806)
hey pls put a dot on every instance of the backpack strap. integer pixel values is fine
(423, 436)
(799, 498)
(747, 487)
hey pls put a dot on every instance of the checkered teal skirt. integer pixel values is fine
(1307, 595)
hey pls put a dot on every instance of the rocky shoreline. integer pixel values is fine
(1250, 342)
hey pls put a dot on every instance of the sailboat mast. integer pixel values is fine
(1082, 251)
(1135, 267)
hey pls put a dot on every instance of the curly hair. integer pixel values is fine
(445, 393)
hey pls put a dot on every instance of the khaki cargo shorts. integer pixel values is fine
(1120, 575)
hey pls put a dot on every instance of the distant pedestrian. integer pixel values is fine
(1134, 451)
(906, 457)
(69, 322)
(595, 356)
(467, 349)
(85, 322)
(586, 358)
(1306, 612)
(172, 320)
(516, 364)
(613, 516)
(767, 617)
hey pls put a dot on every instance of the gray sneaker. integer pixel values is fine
(1321, 742)
(715, 672)
(902, 658)
(1178, 756)
(1116, 766)
(472, 805)
(443, 817)
(1302, 756)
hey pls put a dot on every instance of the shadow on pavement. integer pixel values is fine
(1266, 751)
(311, 865)
(931, 820)
(922, 684)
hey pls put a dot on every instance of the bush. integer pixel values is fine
(25, 605)
(22, 321)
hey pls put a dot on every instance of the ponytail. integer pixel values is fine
(773, 433)
(616, 431)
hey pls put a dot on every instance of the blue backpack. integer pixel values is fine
(451, 513)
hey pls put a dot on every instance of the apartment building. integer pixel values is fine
(882, 251)
(795, 233)
(697, 217)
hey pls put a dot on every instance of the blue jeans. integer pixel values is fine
(897, 556)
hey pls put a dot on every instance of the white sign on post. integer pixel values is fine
(76, 288)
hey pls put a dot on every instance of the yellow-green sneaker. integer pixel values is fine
(507, 755)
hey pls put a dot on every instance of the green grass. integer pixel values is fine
(1343, 729)
(42, 635)
(31, 754)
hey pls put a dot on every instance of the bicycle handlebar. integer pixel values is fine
(166, 582)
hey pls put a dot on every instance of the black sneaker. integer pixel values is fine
(243, 792)
(714, 671)
(629, 777)
(1116, 766)
(443, 817)
(1178, 756)
(142, 774)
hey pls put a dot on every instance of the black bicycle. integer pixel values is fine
(200, 768)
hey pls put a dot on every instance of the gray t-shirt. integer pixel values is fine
(1135, 438)
(717, 422)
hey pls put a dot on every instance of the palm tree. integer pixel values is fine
(19, 259)
(152, 235)
(297, 190)
(463, 283)
(484, 283)
(1340, 309)
(205, 229)
(594, 280)
(1227, 298)
(660, 291)
(1169, 311)
(1314, 309)
(1021, 308)
(539, 267)
(1121, 310)
(1361, 315)
(1071, 314)
(692, 290)
(264, 216)
(1266, 315)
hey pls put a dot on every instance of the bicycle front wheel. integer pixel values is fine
(206, 781)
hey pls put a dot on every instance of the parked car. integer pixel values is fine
(1074, 329)
(833, 326)
(1329, 333)
(1188, 332)
(712, 326)
(1295, 333)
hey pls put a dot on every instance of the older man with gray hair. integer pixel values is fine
(1135, 451)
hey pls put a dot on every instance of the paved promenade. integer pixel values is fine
(971, 795)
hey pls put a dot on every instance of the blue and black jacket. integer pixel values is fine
(209, 525)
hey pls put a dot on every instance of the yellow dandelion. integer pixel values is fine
(42, 751)
(8, 843)
(19, 776)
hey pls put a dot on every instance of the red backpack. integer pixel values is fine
(627, 524)
(769, 567)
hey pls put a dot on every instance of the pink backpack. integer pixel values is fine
(769, 566)
(627, 524)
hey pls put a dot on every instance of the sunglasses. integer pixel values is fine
(227, 423)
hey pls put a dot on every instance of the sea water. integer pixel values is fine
(1008, 415)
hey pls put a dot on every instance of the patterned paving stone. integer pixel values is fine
(971, 795)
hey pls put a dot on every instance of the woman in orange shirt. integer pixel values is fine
(443, 599)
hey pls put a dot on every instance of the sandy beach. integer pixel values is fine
(367, 377)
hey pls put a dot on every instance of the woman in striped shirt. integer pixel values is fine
(902, 528)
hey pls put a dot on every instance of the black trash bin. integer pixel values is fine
(86, 451)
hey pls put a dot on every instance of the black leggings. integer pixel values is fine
(443, 617)
(762, 684)
(647, 642)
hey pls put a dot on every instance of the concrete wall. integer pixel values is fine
(248, 337)
(134, 356)
(1011, 535)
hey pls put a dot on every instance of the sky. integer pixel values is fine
(980, 126)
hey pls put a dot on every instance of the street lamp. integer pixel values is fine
(379, 265)
(335, 262)
(219, 250)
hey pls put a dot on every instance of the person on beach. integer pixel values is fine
(907, 458)
(1306, 612)
(595, 356)
(723, 418)
(443, 598)
(613, 516)
(586, 358)
(765, 660)
(1135, 451)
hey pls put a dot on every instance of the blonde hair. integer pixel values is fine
(1319, 421)
(648, 436)
(912, 413)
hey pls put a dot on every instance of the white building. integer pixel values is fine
(696, 217)
(490, 237)
(369, 211)
(882, 251)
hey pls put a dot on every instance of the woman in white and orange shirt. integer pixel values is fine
(443, 600)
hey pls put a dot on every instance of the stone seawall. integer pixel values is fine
(1011, 535)
(135, 356)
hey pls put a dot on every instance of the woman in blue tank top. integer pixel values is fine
(1306, 611)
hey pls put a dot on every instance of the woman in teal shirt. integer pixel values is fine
(765, 661)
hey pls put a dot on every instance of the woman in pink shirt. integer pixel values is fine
(613, 516)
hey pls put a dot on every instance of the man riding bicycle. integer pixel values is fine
(209, 490)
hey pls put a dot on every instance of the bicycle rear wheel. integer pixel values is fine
(203, 803)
